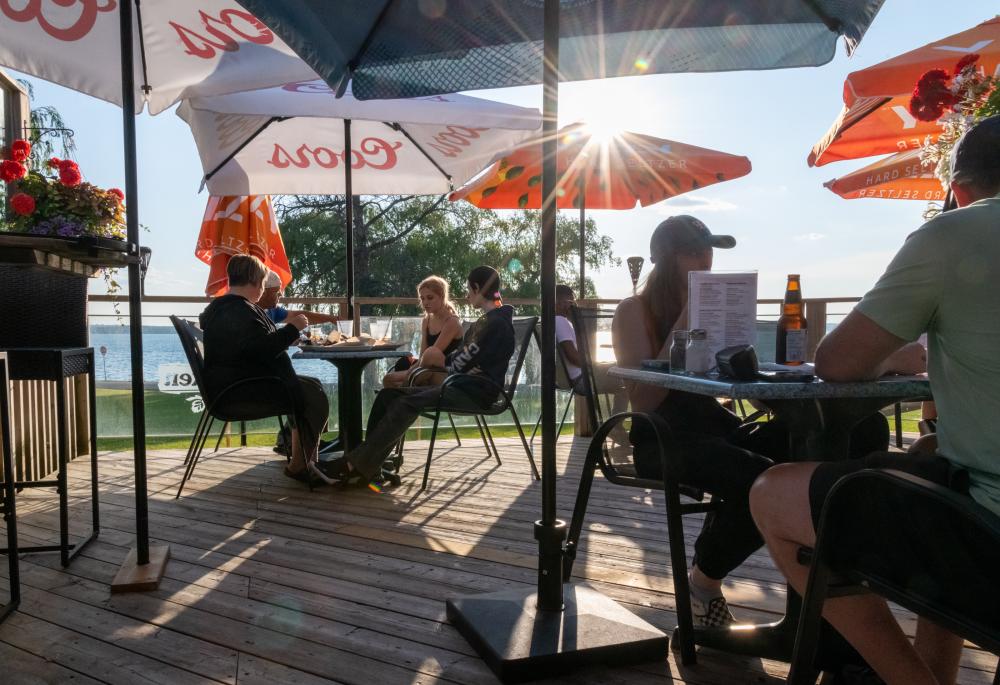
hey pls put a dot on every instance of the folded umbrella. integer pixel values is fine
(240, 225)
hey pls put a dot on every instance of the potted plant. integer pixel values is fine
(58, 232)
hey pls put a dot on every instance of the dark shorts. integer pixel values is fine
(934, 468)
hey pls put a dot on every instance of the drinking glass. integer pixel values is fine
(379, 328)
(346, 328)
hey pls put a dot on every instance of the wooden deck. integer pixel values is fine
(269, 583)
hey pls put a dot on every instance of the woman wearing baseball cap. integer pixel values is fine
(716, 453)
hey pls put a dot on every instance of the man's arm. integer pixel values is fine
(570, 353)
(314, 317)
(860, 350)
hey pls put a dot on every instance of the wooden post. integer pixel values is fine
(816, 317)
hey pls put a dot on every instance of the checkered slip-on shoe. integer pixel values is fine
(712, 614)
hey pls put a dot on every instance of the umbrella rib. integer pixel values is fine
(146, 88)
(352, 64)
(242, 145)
(396, 127)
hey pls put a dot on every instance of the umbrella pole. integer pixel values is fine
(583, 233)
(524, 634)
(349, 214)
(143, 567)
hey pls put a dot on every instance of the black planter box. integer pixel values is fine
(43, 287)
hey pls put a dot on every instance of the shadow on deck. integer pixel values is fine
(271, 583)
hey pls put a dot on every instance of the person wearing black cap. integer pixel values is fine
(716, 452)
(943, 282)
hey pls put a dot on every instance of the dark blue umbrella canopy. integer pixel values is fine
(413, 48)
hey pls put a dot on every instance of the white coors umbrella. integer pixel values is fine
(290, 140)
(185, 48)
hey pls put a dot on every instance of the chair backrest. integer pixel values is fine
(585, 323)
(524, 331)
(917, 544)
(193, 342)
(562, 375)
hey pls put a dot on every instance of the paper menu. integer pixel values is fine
(724, 303)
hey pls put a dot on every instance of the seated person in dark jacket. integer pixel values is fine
(476, 375)
(242, 343)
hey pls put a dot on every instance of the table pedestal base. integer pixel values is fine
(521, 642)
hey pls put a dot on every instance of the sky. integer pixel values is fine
(783, 218)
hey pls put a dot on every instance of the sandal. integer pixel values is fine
(310, 479)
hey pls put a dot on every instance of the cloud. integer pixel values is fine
(696, 203)
(811, 237)
(163, 278)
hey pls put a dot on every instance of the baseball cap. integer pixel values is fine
(273, 280)
(974, 156)
(685, 233)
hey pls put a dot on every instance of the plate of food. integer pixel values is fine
(386, 345)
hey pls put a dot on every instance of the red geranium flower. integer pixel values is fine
(53, 163)
(964, 62)
(20, 150)
(117, 193)
(68, 164)
(931, 96)
(12, 171)
(70, 175)
(22, 204)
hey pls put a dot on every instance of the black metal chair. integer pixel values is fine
(225, 406)
(874, 537)
(563, 384)
(623, 473)
(524, 330)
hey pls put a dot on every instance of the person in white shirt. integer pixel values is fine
(573, 361)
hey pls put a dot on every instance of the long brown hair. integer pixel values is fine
(439, 287)
(663, 295)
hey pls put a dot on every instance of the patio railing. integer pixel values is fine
(172, 402)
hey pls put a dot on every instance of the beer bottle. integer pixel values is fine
(791, 339)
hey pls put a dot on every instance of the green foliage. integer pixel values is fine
(47, 126)
(401, 239)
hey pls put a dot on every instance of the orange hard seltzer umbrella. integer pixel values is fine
(876, 117)
(898, 75)
(896, 177)
(240, 224)
(619, 171)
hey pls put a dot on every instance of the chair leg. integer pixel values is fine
(202, 420)
(810, 623)
(489, 436)
(527, 448)
(579, 510)
(898, 412)
(195, 455)
(430, 450)
(458, 438)
(678, 565)
(534, 430)
(225, 424)
(562, 423)
(482, 434)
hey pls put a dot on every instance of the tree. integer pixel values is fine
(401, 239)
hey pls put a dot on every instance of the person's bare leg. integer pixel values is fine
(704, 582)
(432, 358)
(779, 502)
(297, 462)
(940, 649)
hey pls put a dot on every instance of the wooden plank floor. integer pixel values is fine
(269, 583)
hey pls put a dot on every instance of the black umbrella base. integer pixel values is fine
(520, 642)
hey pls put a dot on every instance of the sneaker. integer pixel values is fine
(714, 613)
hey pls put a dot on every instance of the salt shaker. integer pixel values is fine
(698, 358)
(678, 352)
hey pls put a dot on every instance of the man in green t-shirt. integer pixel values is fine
(943, 282)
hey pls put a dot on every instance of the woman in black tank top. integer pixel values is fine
(439, 313)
